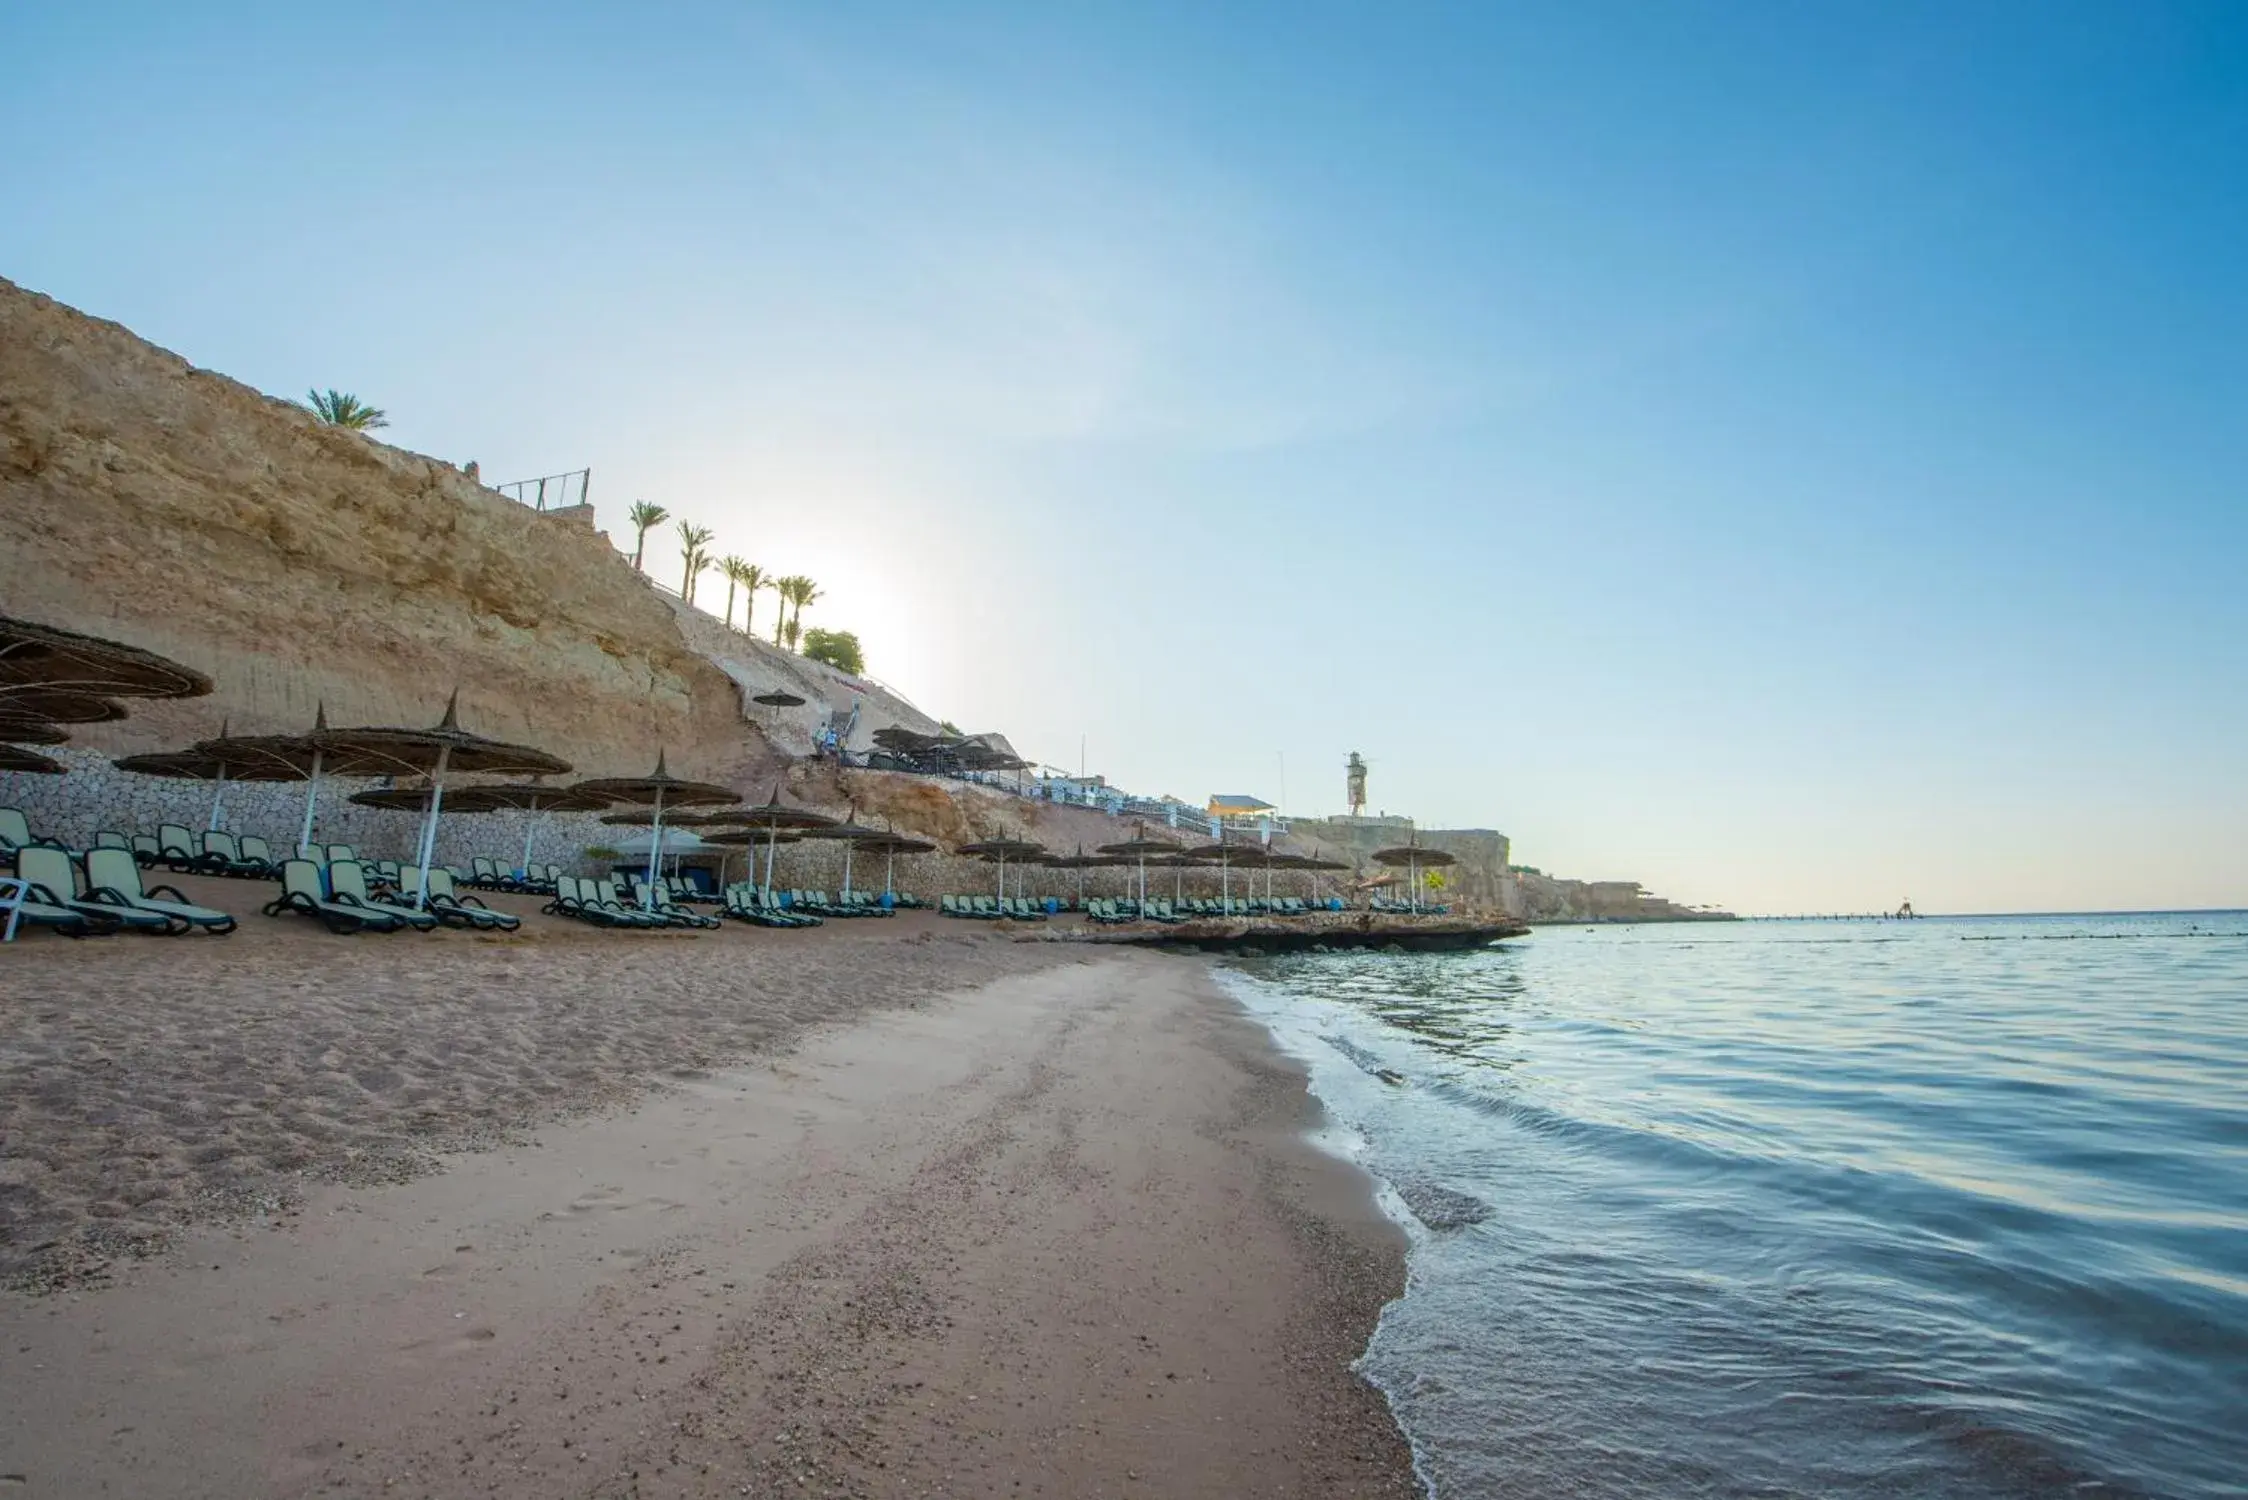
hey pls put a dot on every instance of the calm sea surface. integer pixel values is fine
(1942, 1208)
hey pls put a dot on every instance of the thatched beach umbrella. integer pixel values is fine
(999, 851)
(16, 758)
(654, 790)
(196, 763)
(1315, 865)
(1178, 865)
(1140, 845)
(54, 705)
(779, 698)
(750, 838)
(34, 656)
(1414, 859)
(30, 732)
(776, 817)
(433, 752)
(305, 757)
(890, 845)
(461, 799)
(535, 797)
(1081, 862)
(1224, 855)
(851, 833)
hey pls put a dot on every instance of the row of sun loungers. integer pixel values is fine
(109, 899)
(606, 903)
(992, 908)
(341, 897)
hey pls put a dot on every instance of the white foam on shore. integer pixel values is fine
(1295, 1025)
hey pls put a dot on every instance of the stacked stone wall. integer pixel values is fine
(95, 796)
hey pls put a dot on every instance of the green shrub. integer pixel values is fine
(838, 648)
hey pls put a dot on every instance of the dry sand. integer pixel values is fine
(883, 1209)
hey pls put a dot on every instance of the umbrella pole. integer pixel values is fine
(655, 853)
(311, 797)
(216, 794)
(530, 824)
(846, 869)
(429, 823)
(772, 837)
(889, 869)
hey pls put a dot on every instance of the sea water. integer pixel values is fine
(1937, 1208)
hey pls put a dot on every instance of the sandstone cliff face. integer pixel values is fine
(298, 563)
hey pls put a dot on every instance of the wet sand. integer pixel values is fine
(885, 1209)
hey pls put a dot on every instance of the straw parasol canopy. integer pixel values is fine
(1081, 862)
(191, 764)
(771, 814)
(999, 851)
(1413, 859)
(34, 656)
(1316, 865)
(655, 789)
(466, 799)
(443, 747)
(851, 833)
(779, 698)
(1018, 849)
(740, 838)
(54, 705)
(1226, 855)
(30, 732)
(432, 752)
(535, 797)
(287, 757)
(890, 844)
(1140, 845)
(724, 817)
(1408, 855)
(15, 758)
(776, 817)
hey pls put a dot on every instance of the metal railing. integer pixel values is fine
(551, 491)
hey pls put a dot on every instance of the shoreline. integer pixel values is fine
(1058, 1228)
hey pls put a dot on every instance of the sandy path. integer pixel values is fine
(1058, 1235)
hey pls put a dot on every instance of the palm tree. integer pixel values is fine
(645, 516)
(342, 409)
(752, 579)
(731, 569)
(786, 588)
(807, 592)
(795, 632)
(692, 540)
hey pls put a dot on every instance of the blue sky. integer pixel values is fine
(1793, 455)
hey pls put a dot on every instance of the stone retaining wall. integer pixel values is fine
(95, 795)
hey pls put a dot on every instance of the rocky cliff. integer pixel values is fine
(299, 563)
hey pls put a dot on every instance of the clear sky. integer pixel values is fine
(1794, 455)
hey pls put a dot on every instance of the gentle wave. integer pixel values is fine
(1940, 1208)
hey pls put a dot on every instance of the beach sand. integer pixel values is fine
(883, 1209)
